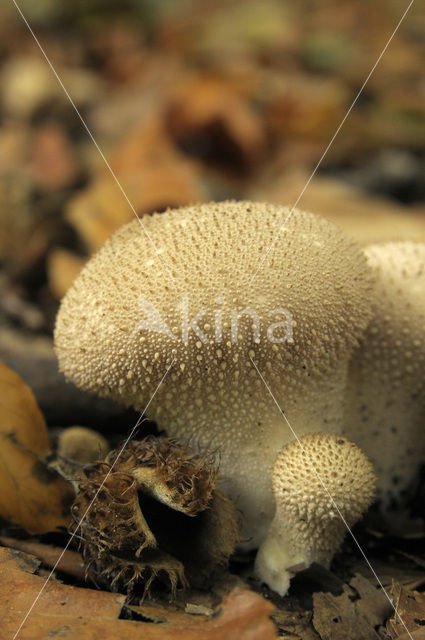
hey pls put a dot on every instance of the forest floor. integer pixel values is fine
(208, 101)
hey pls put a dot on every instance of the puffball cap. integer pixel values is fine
(105, 345)
(322, 476)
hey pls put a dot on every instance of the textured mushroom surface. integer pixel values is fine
(125, 320)
(318, 483)
(385, 410)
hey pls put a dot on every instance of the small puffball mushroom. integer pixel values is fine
(125, 321)
(385, 404)
(315, 482)
(82, 445)
(77, 447)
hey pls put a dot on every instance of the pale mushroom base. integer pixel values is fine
(275, 567)
(279, 558)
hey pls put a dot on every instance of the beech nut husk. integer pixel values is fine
(155, 519)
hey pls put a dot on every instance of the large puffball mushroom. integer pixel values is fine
(322, 484)
(385, 405)
(193, 306)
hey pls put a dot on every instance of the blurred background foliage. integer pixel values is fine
(197, 100)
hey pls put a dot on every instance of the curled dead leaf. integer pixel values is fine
(31, 496)
(410, 617)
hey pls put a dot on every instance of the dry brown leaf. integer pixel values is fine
(417, 634)
(72, 612)
(209, 114)
(294, 623)
(373, 604)
(31, 496)
(154, 176)
(59, 607)
(401, 572)
(62, 268)
(70, 562)
(410, 606)
(344, 617)
(243, 614)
